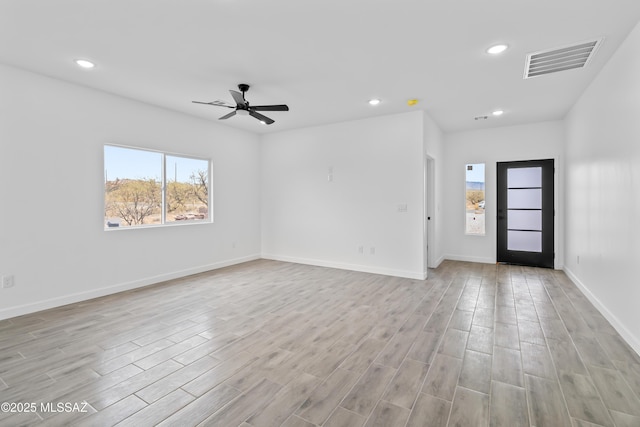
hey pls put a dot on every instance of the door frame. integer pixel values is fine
(549, 221)
(430, 174)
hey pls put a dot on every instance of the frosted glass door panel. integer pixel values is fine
(524, 177)
(524, 199)
(524, 220)
(530, 241)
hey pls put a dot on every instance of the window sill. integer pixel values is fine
(181, 223)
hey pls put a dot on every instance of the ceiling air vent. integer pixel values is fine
(561, 59)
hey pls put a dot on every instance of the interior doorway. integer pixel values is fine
(430, 210)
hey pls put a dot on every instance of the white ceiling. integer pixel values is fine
(324, 59)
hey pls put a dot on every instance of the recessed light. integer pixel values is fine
(85, 64)
(499, 48)
(374, 101)
(498, 113)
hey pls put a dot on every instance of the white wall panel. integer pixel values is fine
(348, 195)
(603, 182)
(51, 194)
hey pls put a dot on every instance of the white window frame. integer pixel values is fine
(466, 215)
(163, 184)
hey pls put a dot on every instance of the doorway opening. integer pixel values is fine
(430, 210)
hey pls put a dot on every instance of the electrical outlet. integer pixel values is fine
(7, 282)
(372, 250)
(578, 259)
(360, 249)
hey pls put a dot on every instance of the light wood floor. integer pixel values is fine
(269, 343)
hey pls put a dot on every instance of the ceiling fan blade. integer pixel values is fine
(260, 117)
(269, 108)
(226, 116)
(237, 96)
(214, 103)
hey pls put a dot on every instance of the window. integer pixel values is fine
(474, 199)
(143, 188)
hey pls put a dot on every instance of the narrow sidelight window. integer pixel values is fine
(474, 199)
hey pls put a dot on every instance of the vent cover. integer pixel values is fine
(561, 59)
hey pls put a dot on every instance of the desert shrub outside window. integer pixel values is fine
(149, 188)
(474, 199)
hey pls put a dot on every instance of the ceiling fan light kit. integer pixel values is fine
(242, 107)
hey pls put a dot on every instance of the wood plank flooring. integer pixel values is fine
(270, 343)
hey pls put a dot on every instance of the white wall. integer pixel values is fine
(377, 164)
(603, 188)
(525, 142)
(51, 194)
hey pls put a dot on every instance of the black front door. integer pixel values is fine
(525, 213)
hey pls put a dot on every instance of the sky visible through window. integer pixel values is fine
(129, 163)
(476, 174)
(180, 169)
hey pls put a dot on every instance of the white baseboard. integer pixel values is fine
(418, 275)
(437, 262)
(21, 310)
(627, 335)
(481, 260)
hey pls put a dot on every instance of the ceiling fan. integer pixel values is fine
(243, 108)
